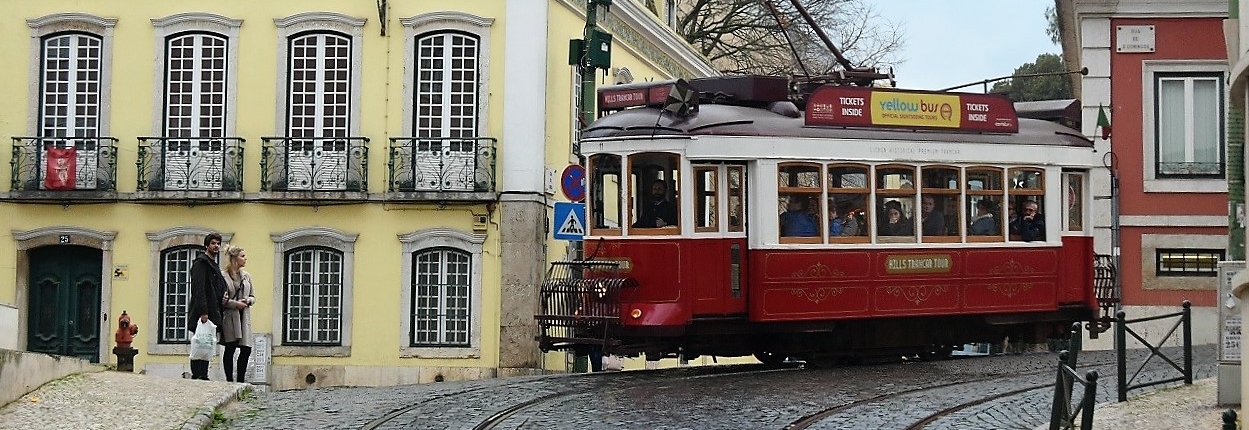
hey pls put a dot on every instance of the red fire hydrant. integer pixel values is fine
(124, 337)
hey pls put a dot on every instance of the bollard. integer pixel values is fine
(1229, 420)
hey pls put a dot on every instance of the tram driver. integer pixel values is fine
(660, 211)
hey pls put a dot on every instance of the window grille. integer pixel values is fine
(313, 297)
(175, 292)
(440, 299)
(1188, 262)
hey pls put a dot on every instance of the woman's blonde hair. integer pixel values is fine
(232, 252)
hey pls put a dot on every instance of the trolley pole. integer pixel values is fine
(588, 54)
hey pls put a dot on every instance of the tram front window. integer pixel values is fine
(653, 191)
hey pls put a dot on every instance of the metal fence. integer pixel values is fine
(580, 304)
(1122, 330)
(1062, 413)
(320, 163)
(54, 163)
(190, 163)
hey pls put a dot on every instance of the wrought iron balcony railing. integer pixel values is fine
(442, 164)
(51, 163)
(314, 164)
(190, 164)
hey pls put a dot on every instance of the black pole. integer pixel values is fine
(1058, 410)
(986, 82)
(1090, 400)
(1121, 346)
(1188, 342)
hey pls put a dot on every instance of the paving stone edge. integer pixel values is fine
(205, 416)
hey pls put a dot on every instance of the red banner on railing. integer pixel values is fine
(866, 107)
(61, 168)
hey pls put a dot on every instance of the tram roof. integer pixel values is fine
(783, 119)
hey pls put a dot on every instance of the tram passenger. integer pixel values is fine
(895, 223)
(985, 222)
(1030, 226)
(661, 212)
(933, 220)
(797, 220)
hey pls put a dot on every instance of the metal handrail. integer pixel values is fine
(441, 164)
(1122, 330)
(93, 168)
(168, 163)
(316, 163)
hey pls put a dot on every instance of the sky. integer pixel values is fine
(956, 42)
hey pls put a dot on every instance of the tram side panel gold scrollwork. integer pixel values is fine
(1010, 289)
(917, 294)
(816, 295)
(817, 270)
(1010, 267)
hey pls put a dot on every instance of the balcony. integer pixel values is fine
(64, 168)
(182, 168)
(314, 168)
(441, 168)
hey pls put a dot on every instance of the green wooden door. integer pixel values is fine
(65, 301)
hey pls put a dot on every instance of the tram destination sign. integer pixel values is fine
(833, 106)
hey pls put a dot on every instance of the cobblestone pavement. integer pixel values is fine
(873, 397)
(114, 400)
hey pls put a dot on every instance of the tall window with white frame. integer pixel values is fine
(175, 287)
(441, 288)
(195, 111)
(319, 110)
(69, 103)
(313, 296)
(446, 98)
(1189, 126)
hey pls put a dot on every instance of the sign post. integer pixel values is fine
(1229, 335)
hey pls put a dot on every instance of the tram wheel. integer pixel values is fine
(769, 358)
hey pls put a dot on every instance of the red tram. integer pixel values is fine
(872, 222)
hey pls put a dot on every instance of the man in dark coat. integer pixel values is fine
(1030, 226)
(208, 288)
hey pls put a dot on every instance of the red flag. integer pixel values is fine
(62, 167)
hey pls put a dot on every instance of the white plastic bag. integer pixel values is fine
(613, 362)
(204, 342)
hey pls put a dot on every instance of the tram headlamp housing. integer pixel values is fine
(636, 313)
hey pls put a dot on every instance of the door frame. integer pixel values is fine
(65, 235)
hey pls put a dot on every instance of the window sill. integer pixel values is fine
(435, 352)
(311, 351)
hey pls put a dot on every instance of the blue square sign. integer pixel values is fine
(569, 221)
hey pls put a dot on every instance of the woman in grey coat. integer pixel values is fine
(236, 318)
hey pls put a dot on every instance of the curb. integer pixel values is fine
(205, 416)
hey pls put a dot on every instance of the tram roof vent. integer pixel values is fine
(1064, 111)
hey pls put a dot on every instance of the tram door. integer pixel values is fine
(719, 224)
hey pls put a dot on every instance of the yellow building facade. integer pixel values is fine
(388, 166)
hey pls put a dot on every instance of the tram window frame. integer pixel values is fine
(1021, 192)
(599, 188)
(735, 180)
(946, 193)
(1074, 189)
(850, 199)
(644, 169)
(794, 182)
(706, 199)
(904, 192)
(991, 180)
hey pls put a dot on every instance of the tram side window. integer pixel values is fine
(737, 198)
(1027, 200)
(939, 204)
(799, 214)
(895, 191)
(604, 201)
(706, 199)
(1074, 184)
(984, 204)
(847, 203)
(653, 189)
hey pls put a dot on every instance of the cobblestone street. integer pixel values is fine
(738, 397)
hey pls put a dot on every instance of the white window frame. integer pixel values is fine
(198, 22)
(1152, 183)
(158, 243)
(314, 237)
(351, 27)
(48, 25)
(447, 21)
(429, 239)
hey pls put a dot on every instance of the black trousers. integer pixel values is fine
(227, 361)
(199, 369)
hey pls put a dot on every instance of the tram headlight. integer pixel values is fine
(636, 313)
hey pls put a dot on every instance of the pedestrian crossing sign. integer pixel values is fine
(569, 221)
